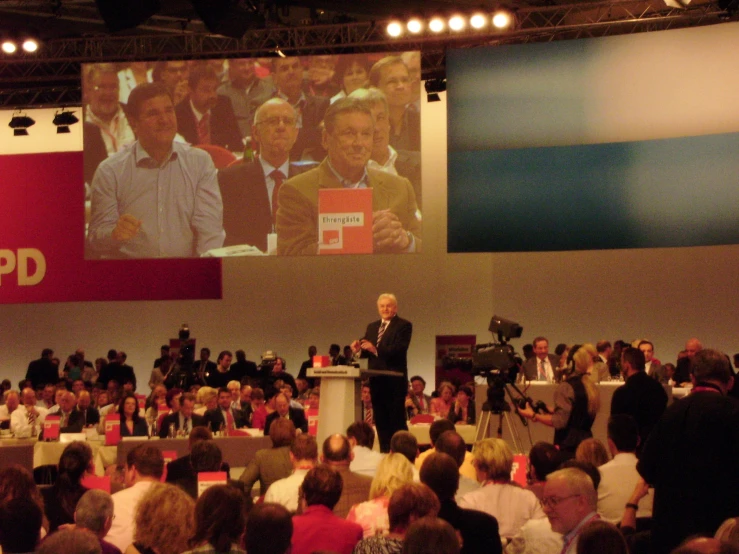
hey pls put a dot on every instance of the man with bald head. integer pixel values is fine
(27, 420)
(12, 401)
(90, 415)
(569, 501)
(250, 190)
(337, 454)
(70, 419)
(682, 368)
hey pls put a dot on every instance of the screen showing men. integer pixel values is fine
(252, 156)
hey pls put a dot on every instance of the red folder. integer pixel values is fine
(112, 429)
(518, 472)
(95, 482)
(51, 428)
(345, 221)
(311, 414)
(321, 361)
(209, 478)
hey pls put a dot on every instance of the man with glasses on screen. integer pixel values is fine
(250, 190)
(348, 137)
(157, 198)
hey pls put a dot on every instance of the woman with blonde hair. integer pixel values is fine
(164, 521)
(510, 504)
(442, 404)
(207, 399)
(576, 403)
(393, 472)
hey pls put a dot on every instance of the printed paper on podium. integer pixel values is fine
(345, 221)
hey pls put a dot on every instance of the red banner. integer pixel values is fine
(42, 218)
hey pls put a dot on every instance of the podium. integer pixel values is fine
(340, 397)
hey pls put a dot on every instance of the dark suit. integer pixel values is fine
(140, 429)
(90, 416)
(690, 459)
(197, 421)
(296, 416)
(42, 372)
(75, 422)
(388, 393)
(247, 207)
(644, 399)
(309, 135)
(180, 471)
(658, 373)
(531, 367)
(214, 419)
(223, 128)
(202, 371)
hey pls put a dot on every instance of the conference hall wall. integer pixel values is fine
(666, 294)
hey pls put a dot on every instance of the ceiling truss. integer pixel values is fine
(52, 77)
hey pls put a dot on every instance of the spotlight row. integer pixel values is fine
(20, 122)
(501, 20)
(28, 45)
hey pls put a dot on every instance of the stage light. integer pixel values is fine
(478, 21)
(279, 52)
(502, 19)
(20, 123)
(456, 23)
(433, 88)
(394, 29)
(30, 45)
(436, 25)
(63, 120)
(414, 26)
(9, 47)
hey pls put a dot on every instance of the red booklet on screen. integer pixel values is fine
(112, 429)
(345, 221)
(518, 472)
(51, 428)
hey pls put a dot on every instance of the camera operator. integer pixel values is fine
(576, 403)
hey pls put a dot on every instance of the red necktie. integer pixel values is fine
(368, 415)
(278, 177)
(204, 129)
(229, 420)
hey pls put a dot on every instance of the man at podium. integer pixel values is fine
(385, 343)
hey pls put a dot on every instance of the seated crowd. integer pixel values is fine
(663, 486)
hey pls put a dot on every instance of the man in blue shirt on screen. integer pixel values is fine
(157, 198)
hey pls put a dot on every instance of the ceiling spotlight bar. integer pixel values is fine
(500, 20)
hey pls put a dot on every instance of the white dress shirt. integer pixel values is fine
(536, 537)
(618, 478)
(124, 509)
(365, 461)
(511, 505)
(21, 427)
(285, 491)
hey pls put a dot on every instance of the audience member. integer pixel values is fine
(544, 458)
(224, 417)
(183, 420)
(510, 504)
(95, 513)
(640, 396)
(303, 456)
(601, 537)
(132, 424)
(407, 504)
(317, 527)
(619, 476)
(27, 420)
(20, 525)
(362, 440)
(255, 414)
(220, 514)
(652, 366)
(42, 372)
(691, 455)
(463, 409)
(205, 456)
(90, 414)
(452, 443)
(17, 482)
(479, 530)
(144, 468)
(271, 464)
(60, 500)
(368, 413)
(284, 411)
(70, 541)
(269, 530)
(592, 451)
(164, 521)
(569, 502)
(418, 402)
(337, 455)
(442, 404)
(403, 442)
(431, 535)
(392, 472)
(181, 468)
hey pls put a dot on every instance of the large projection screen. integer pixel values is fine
(618, 142)
(235, 157)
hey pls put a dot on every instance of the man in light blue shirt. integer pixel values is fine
(157, 198)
